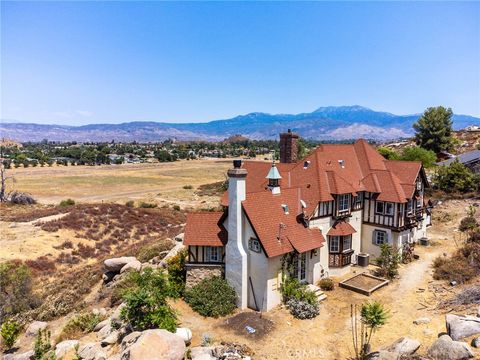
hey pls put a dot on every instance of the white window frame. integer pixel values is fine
(376, 234)
(359, 198)
(213, 253)
(254, 245)
(349, 239)
(343, 203)
(376, 207)
(389, 206)
(337, 241)
(410, 207)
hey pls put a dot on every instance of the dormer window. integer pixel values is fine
(343, 202)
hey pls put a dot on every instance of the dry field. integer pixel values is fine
(160, 182)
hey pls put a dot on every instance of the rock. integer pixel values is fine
(108, 276)
(111, 339)
(132, 265)
(404, 346)
(115, 318)
(92, 351)
(444, 348)
(185, 334)
(460, 327)
(476, 342)
(130, 339)
(384, 355)
(64, 347)
(101, 325)
(105, 331)
(155, 344)
(202, 353)
(478, 312)
(422, 320)
(180, 237)
(23, 356)
(35, 327)
(116, 264)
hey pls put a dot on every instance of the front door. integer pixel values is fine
(300, 267)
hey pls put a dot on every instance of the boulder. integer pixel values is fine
(111, 339)
(130, 339)
(404, 346)
(132, 265)
(115, 318)
(476, 342)
(105, 331)
(155, 344)
(444, 348)
(23, 356)
(92, 351)
(202, 353)
(185, 334)
(422, 320)
(64, 347)
(478, 312)
(116, 264)
(108, 276)
(101, 325)
(460, 327)
(35, 327)
(100, 312)
(384, 355)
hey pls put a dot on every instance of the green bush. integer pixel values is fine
(42, 345)
(388, 261)
(67, 202)
(177, 273)
(130, 204)
(146, 205)
(146, 301)
(79, 324)
(416, 153)
(303, 303)
(212, 297)
(148, 252)
(176, 207)
(326, 284)
(388, 153)
(187, 187)
(456, 178)
(16, 293)
(9, 331)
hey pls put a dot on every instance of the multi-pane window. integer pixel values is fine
(254, 245)
(359, 198)
(347, 243)
(379, 237)
(334, 244)
(384, 208)
(343, 202)
(213, 253)
(388, 208)
(410, 206)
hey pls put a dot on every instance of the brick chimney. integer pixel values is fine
(235, 254)
(288, 147)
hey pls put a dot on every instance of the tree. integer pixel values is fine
(388, 261)
(456, 177)
(9, 331)
(388, 153)
(416, 153)
(434, 129)
(3, 183)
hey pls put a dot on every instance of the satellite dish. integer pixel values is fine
(303, 203)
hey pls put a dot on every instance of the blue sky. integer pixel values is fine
(110, 62)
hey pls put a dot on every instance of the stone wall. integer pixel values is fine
(196, 273)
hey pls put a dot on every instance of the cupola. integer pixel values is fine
(273, 179)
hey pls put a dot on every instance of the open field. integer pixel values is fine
(160, 182)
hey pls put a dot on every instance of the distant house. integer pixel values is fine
(320, 212)
(470, 159)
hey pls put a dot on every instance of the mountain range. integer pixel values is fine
(325, 123)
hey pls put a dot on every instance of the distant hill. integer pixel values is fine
(325, 123)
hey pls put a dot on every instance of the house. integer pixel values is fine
(317, 214)
(470, 159)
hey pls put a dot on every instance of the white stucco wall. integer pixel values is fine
(367, 235)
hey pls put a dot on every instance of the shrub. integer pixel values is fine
(78, 325)
(146, 304)
(16, 294)
(416, 153)
(187, 187)
(9, 331)
(388, 261)
(326, 284)
(456, 269)
(177, 273)
(148, 252)
(388, 153)
(42, 345)
(67, 202)
(212, 297)
(176, 207)
(41, 264)
(456, 177)
(302, 309)
(468, 224)
(145, 205)
(130, 204)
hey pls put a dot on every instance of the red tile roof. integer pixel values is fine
(205, 229)
(278, 231)
(341, 228)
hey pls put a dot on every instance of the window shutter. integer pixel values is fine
(374, 236)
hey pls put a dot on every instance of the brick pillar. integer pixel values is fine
(288, 147)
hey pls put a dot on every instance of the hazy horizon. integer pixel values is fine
(77, 63)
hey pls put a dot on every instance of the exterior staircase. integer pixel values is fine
(320, 294)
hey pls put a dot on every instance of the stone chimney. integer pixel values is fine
(288, 147)
(235, 254)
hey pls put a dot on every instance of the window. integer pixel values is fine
(334, 244)
(384, 208)
(419, 185)
(347, 243)
(343, 202)
(213, 254)
(379, 237)
(359, 198)
(410, 206)
(254, 245)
